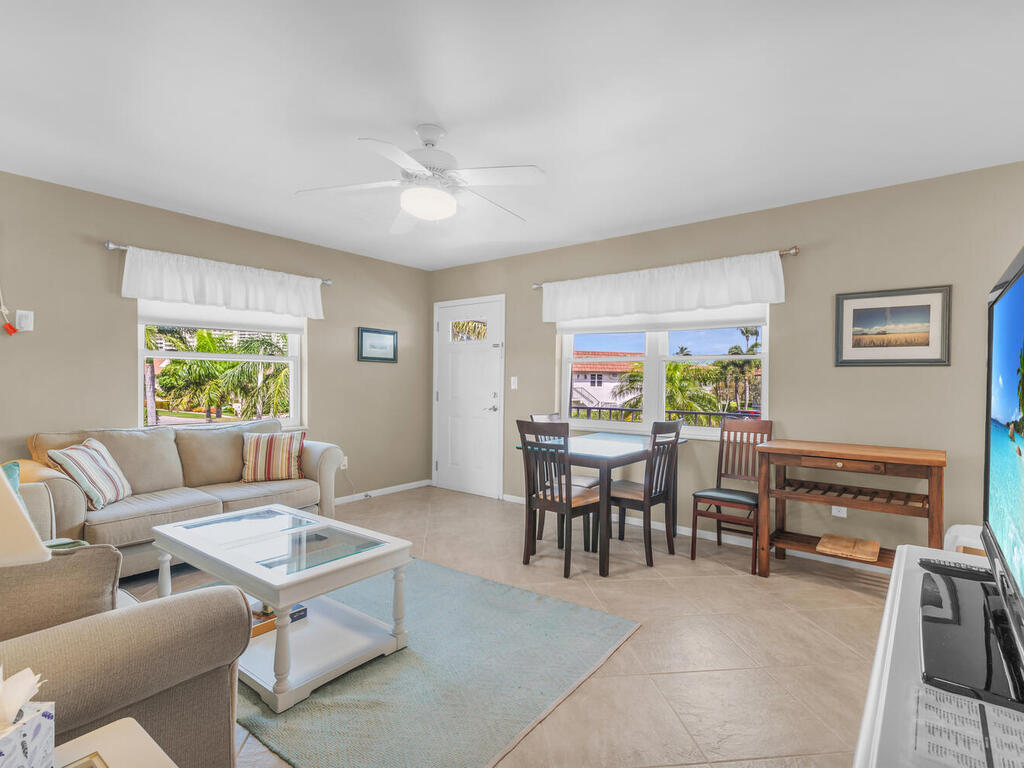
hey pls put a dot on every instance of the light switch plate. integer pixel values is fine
(838, 511)
(24, 319)
(513, 383)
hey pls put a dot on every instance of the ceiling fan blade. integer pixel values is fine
(399, 157)
(501, 176)
(353, 187)
(402, 224)
(496, 205)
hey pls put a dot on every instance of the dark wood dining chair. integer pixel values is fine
(549, 487)
(657, 487)
(737, 460)
(580, 481)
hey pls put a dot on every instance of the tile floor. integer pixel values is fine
(726, 670)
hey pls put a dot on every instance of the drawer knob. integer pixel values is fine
(839, 464)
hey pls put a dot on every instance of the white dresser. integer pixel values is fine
(888, 730)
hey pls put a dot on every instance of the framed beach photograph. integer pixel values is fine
(377, 346)
(902, 327)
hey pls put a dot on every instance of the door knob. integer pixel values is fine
(492, 408)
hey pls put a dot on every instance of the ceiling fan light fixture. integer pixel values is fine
(428, 203)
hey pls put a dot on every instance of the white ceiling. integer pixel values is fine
(643, 114)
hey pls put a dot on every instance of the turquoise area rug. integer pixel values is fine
(485, 663)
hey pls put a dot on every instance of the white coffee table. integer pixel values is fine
(284, 556)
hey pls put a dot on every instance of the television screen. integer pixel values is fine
(1005, 496)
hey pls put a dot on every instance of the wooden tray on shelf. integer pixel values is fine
(849, 547)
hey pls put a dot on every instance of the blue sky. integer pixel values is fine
(709, 341)
(1007, 340)
(912, 319)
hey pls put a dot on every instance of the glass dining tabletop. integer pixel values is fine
(609, 445)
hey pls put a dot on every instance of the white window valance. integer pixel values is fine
(173, 277)
(719, 317)
(751, 279)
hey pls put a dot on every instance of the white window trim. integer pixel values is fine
(295, 342)
(655, 359)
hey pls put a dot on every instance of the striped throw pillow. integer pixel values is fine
(92, 467)
(273, 456)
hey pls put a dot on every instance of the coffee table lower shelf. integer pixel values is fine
(329, 642)
(802, 542)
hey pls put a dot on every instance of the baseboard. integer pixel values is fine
(382, 491)
(732, 538)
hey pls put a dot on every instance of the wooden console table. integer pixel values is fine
(843, 457)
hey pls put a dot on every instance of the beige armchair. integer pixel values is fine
(171, 664)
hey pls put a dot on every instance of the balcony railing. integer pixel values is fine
(690, 418)
(605, 413)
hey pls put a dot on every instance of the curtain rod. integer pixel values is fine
(110, 245)
(791, 251)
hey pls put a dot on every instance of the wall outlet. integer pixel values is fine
(513, 383)
(838, 511)
(24, 319)
(344, 462)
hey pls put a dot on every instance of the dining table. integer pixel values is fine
(605, 451)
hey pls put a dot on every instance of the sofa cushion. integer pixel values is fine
(147, 456)
(12, 471)
(211, 455)
(291, 493)
(131, 520)
(271, 457)
(95, 471)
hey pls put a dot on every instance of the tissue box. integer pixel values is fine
(29, 742)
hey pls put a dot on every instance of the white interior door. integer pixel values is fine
(469, 373)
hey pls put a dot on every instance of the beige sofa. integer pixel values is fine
(171, 664)
(176, 473)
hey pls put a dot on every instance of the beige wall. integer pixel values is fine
(962, 229)
(78, 368)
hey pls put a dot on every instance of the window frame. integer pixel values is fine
(293, 359)
(655, 360)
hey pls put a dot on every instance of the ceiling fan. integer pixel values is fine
(431, 179)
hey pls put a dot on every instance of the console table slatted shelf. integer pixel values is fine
(843, 457)
(875, 499)
(803, 542)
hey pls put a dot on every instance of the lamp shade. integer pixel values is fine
(19, 542)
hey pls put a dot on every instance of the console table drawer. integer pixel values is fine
(847, 465)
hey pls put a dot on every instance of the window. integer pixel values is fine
(469, 330)
(696, 375)
(193, 375)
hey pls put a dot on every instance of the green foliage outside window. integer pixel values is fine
(248, 389)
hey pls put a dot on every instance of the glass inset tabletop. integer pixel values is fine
(287, 552)
(225, 529)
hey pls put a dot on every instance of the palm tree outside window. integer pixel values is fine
(196, 375)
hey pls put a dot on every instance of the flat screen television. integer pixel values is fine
(1003, 531)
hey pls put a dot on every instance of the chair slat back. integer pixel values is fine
(663, 448)
(737, 447)
(546, 464)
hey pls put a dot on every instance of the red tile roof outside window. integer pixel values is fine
(630, 359)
